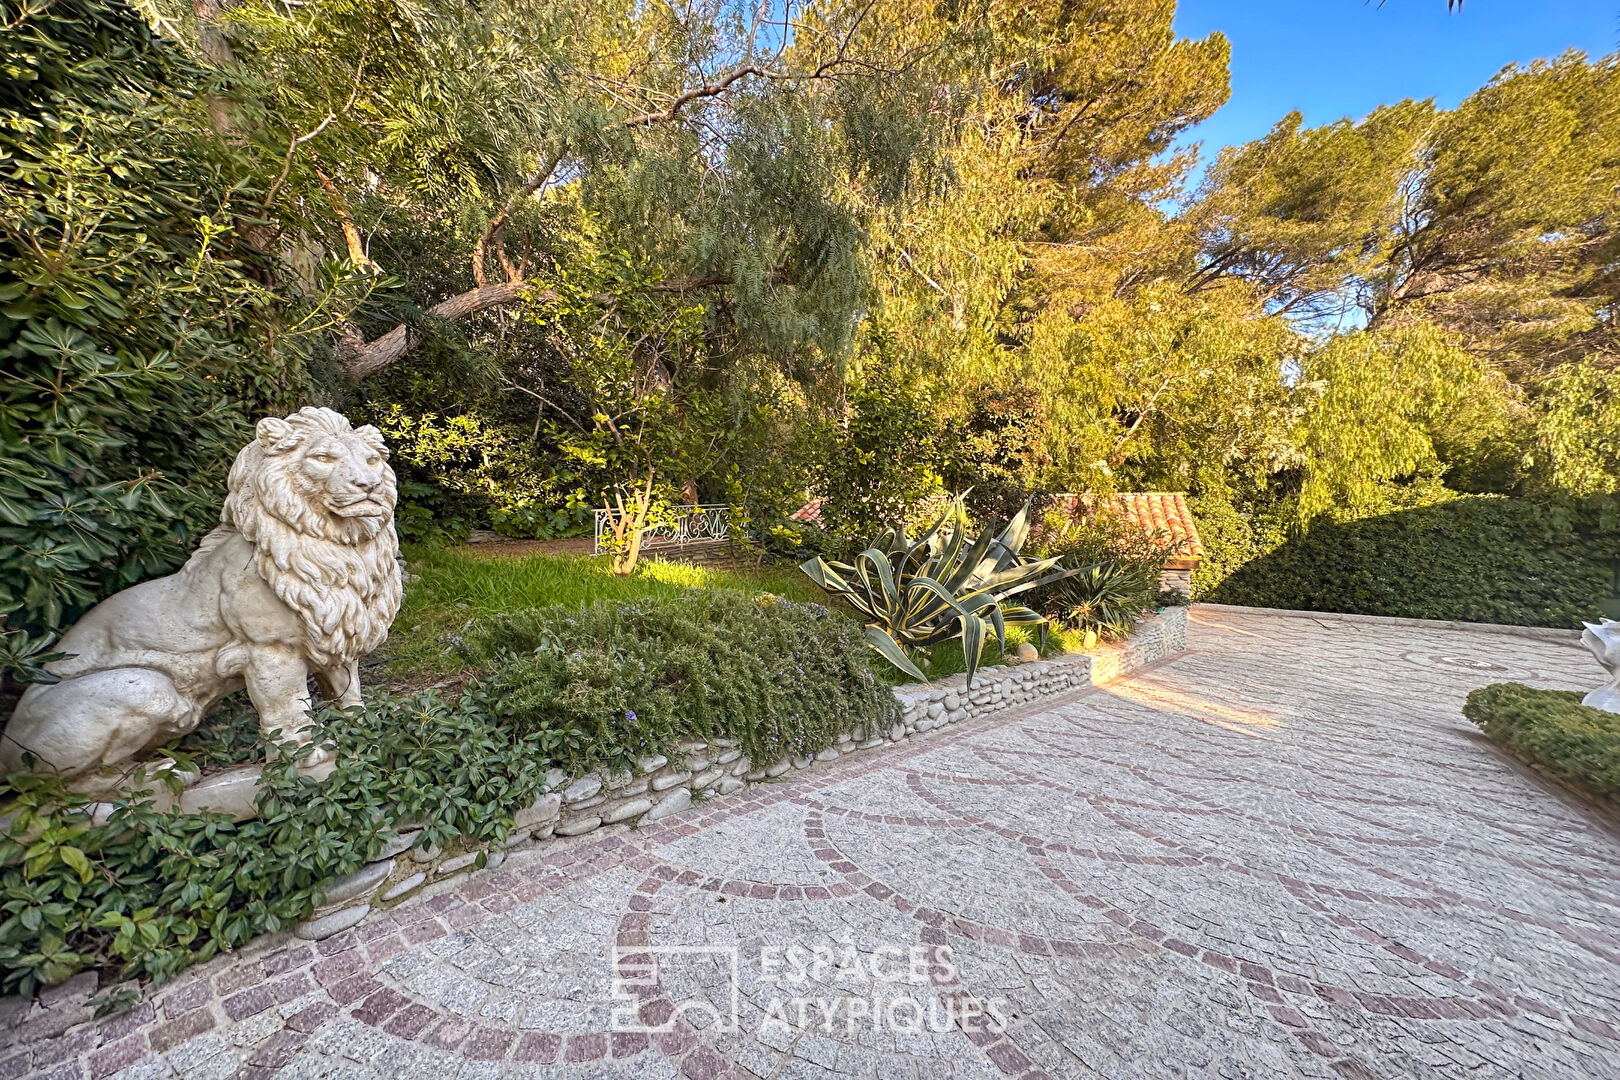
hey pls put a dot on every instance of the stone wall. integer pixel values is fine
(1177, 578)
(661, 786)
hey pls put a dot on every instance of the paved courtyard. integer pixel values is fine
(1283, 853)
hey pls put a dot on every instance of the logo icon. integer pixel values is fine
(658, 985)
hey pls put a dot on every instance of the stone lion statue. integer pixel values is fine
(301, 578)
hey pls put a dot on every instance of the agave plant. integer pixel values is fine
(914, 594)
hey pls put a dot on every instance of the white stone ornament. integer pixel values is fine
(1603, 640)
(301, 578)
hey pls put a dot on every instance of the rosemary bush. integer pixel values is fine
(604, 684)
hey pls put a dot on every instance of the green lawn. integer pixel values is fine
(449, 586)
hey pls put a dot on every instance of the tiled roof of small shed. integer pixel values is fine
(1162, 512)
(809, 513)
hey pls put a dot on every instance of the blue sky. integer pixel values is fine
(1335, 58)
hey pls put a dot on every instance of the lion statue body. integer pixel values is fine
(301, 578)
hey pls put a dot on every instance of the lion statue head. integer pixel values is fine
(316, 497)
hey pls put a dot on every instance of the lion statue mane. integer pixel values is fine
(301, 578)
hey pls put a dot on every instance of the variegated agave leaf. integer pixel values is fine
(938, 588)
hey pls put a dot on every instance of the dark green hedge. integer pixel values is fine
(1554, 730)
(137, 353)
(1473, 558)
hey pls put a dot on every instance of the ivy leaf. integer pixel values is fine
(77, 860)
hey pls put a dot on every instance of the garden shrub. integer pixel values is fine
(229, 736)
(1553, 729)
(992, 453)
(786, 541)
(605, 684)
(457, 473)
(1121, 566)
(150, 892)
(884, 461)
(1473, 558)
(1105, 598)
(137, 343)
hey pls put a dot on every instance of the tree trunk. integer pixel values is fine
(216, 49)
(211, 40)
(360, 357)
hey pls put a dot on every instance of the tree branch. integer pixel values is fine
(566, 415)
(827, 69)
(360, 357)
(292, 147)
(707, 90)
(492, 232)
(351, 234)
(286, 164)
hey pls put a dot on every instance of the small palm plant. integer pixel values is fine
(914, 594)
(1102, 599)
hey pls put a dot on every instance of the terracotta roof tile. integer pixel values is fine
(1160, 512)
(1166, 512)
(809, 513)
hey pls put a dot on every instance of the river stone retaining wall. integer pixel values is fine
(660, 786)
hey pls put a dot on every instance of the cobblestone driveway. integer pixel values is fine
(1282, 854)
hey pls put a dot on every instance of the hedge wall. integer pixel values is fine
(1473, 558)
(607, 683)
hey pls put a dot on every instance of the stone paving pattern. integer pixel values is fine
(1283, 853)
